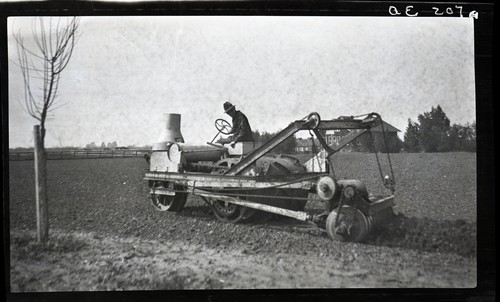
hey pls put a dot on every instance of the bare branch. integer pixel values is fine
(41, 67)
(57, 105)
(20, 43)
(50, 37)
(39, 38)
(29, 100)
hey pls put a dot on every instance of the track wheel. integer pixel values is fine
(228, 212)
(352, 225)
(171, 203)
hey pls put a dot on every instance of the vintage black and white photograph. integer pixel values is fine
(241, 152)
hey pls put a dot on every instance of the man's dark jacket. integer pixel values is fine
(241, 128)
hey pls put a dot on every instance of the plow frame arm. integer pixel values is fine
(349, 123)
(312, 122)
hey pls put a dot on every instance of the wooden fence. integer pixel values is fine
(80, 154)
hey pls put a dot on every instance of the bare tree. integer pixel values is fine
(41, 65)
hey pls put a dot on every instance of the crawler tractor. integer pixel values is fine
(248, 183)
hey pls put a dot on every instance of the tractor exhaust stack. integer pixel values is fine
(171, 132)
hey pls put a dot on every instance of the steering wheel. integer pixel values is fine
(223, 126)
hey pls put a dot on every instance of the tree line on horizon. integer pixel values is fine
(433, 132)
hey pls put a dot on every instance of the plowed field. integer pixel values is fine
(105, 235)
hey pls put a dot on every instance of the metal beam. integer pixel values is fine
(323, 142)
(343, 124)
(349, 138)
(303, 216)
(160, 191)
(303, 181)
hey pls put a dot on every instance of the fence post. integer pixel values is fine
(42, 207)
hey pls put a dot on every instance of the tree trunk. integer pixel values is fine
(42, 207)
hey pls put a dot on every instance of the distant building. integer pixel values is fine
(333, 137)
(304, 145)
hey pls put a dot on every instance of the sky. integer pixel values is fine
(126, 72)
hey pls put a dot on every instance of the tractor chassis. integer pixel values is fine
(236, 189)
(351, 213)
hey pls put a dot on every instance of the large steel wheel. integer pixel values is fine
(171, 203)
(228, 212)
(351, 225)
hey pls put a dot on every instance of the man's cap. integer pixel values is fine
(228, 106)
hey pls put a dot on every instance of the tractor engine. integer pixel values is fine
(171, 154)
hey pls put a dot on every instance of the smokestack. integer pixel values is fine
(171, 131)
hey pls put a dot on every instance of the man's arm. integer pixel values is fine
(242, 129)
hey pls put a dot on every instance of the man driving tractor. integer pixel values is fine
(241, 131)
